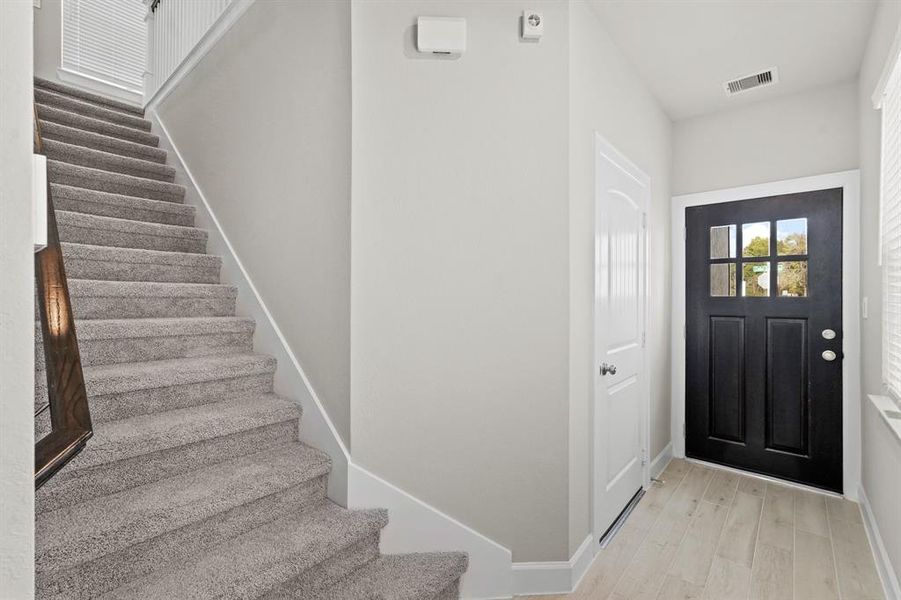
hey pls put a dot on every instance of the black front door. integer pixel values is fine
(764, 336)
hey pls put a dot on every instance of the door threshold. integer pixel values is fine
(611, 532)
(767, 478)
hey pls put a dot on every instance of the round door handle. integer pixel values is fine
(828, 355)
(608, 369)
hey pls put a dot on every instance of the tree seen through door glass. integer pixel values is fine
(791, 237)
(755, 279)
(792, 278)
(722, 241)
(755, 239)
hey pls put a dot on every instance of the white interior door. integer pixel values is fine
(622, 195)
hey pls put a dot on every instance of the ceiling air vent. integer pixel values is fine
(749, 82)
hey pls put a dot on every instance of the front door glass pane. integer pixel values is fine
(791, 237)
(755, 279)
(755, 239)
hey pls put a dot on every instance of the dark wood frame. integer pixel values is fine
(70, 416)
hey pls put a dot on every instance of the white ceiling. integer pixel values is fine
(686, 49)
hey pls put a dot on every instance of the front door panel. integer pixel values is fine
(763, 380)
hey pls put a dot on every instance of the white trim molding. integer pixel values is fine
(661, 461)
(889, 66)
(883, 565)
(415, 526)
(849, 181)
(554, 577)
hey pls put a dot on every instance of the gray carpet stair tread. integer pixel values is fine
(139, 256)
(110, 204)
(111, 329)
(107, 161)
(111, 341)
(89, 96)
(98, 141)
(155, 432)
(141, 289)
(90, 109)
(125, 233)
(107, 329)
(89, 530)
(100, 299)
(400, 577)
(253, 563)
(128, 377)
(86, 123)
(116, 183)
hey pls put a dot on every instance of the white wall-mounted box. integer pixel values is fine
(441, 35)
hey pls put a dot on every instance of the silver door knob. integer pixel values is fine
(605, 369)
(828, 355)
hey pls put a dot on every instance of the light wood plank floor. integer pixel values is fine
(711, 534)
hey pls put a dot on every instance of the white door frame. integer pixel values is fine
(603, 147)
(849, 181)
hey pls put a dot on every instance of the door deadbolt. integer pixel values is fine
(608, 369)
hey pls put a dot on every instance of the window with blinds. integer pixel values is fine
(890, 225)
(106, 40)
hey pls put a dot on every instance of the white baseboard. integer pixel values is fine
(228, 18)
(661, 461)
(883, 564)
(290, 379)
(97, 86)
(554, 577)
(415, 526)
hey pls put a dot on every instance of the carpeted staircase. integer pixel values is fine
(195, 484)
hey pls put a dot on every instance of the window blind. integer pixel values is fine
(106, 40)
(890, 225)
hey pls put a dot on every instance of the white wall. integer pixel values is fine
(606, 96)
(881, 452)
(263, 123)
(47, 39)
(793, 136)
(16, 304)
(460, 268)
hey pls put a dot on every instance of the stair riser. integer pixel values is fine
(70, 119)
(77, 485)
(90, 580)
(93, 202)
(328, 572)
(141, 349)
(88, 109)
(137, 307)
(95, 159)
(451, 592)
(127, 239)
(82, 268)
(87, 139)
(114, 183)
